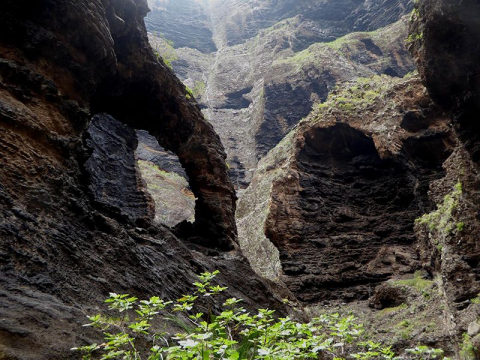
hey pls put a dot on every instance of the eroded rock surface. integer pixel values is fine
(345, 187)
(112, 169)
(61, 249)
(444, 38)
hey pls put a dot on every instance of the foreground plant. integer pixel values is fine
(234, 334)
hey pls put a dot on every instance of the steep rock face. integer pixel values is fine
(235, 21)
(444, 39)
(63, 249)
(295, 83)
(98, 75)
(344, 189)
(273, 64)
(112, 168)
(185, 22)
(445, 44)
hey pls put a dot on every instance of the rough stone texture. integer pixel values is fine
(174, 201)
(260, 83)
(98, 75)
(112, 169)
(446, 49)
(61, 252)
(445, 38)
(185, 22)
(343, 196)
(235, 21)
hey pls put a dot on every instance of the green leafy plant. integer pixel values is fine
(467, 349)
(232, 334)
(189, 93)
(442, 219)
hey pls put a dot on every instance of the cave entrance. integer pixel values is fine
(354, 214)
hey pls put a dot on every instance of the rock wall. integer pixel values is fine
(64, 244)
(344, 196)
(371, 188)
(111, 168)
(276, 59)
(98, 75)
(185, 22)
(444, 38)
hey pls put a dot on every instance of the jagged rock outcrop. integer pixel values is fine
(64, 242)
(98, 76)
(419, 150)
(274, 62)
(332, 213)
(444, 41)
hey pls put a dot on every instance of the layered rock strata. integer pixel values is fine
(273, 63)
(66, 239)
(340, 194)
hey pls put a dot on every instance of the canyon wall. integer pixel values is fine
(274, 60)
(76, 77)
(370, 204)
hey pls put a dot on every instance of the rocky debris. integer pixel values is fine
(387, 296)
(343, 191)
(269, 82)
(62, 250)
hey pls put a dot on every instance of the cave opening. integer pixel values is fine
(354, 223)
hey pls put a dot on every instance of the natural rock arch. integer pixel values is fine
(114, 70)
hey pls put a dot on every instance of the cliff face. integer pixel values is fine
(98, 75)
(345, 187)
(71, 228)
(275, 59)
(445, 44)
(379, 182)
(336, 213)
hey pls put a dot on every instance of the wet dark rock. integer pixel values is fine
(112, 169)
(65, 237)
